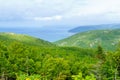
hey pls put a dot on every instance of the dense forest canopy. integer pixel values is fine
(107, 38)
(24, 61)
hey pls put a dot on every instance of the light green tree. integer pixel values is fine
(80, 77)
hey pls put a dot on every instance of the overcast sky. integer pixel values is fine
(58, 12)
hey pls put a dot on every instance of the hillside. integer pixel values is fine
(94, 27)
(40, 63)
(23, 58)
(11, 37)
(91, 39)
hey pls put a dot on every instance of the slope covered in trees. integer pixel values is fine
(10, 37)
(49, 63)
(94, 27)
(21, 61)
(108, 39)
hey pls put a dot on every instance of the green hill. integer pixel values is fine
(11, 37)
(23, 58)
(91, 39)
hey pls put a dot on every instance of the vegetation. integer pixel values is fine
(80, 77)
(25, 39)
(108, 39)
(23, 61)
(94, 27)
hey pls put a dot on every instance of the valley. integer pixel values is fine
(90, 55)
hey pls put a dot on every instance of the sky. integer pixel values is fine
(39, 13)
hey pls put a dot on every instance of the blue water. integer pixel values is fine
(48, 34)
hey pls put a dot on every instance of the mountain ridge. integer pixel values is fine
(94, 27)
(23, 38)
(108, 39)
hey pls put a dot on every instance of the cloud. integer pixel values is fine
(57, 17)
(26, 9)
(94, 7)
(59, 10)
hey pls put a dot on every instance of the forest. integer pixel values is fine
(59, 39)
(20, 61)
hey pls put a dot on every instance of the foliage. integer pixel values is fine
(26, 77)
(49, 62)
(108, 39)
(20, 60)
(80, 77)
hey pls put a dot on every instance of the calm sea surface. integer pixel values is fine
(46, 34)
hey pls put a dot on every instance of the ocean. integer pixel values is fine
(48, 34)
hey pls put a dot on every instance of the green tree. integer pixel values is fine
(80, 77)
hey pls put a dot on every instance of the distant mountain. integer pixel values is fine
(11, 37)
(94, 27)
(91, 39)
